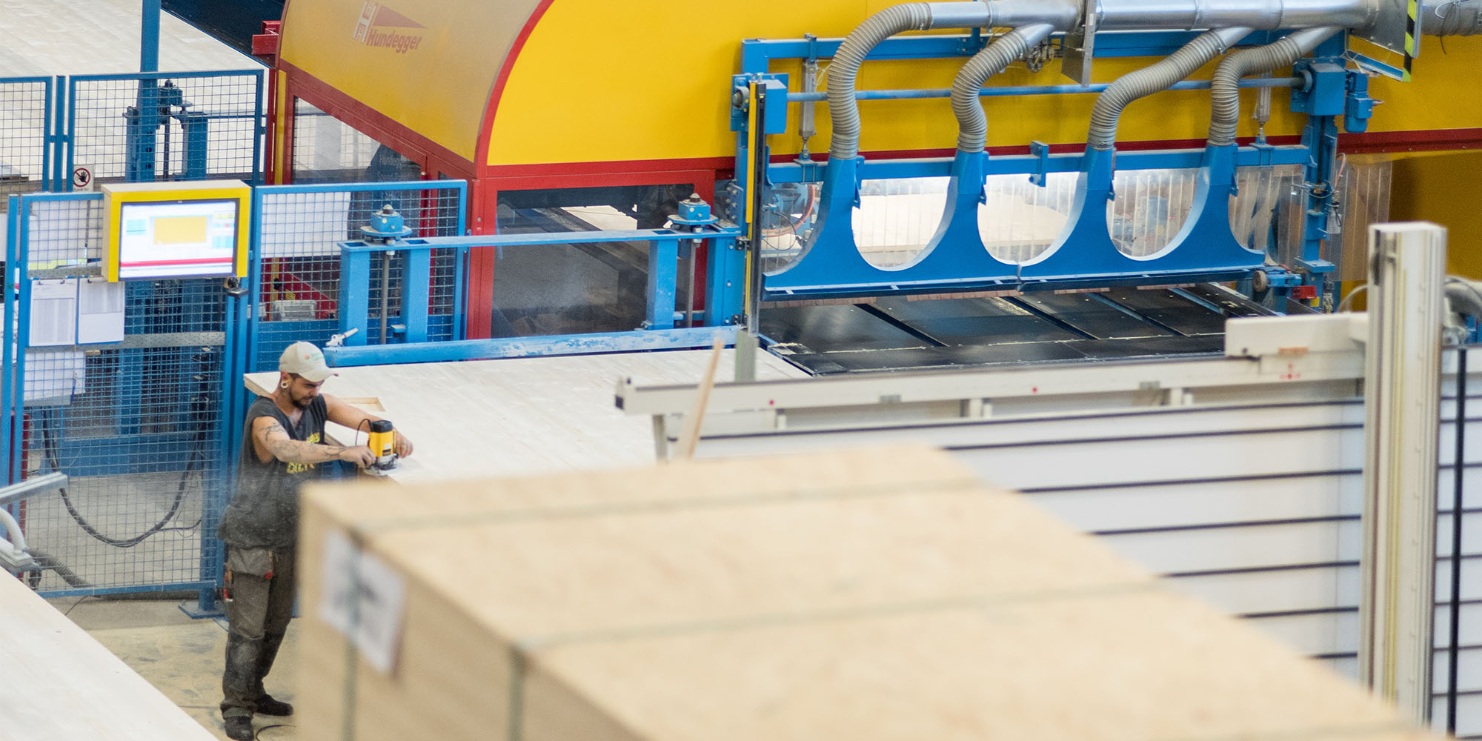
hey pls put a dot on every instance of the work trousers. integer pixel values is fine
(262, 590)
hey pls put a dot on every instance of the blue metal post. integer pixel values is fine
(50, 154)
(355, 271)
(11, 427)
(663, 276)
(141, 122)
(149, 37)
(724, 293)
(61, 127)
(416, 279)
(460, 268)
(260, 126)
(17, 350)
(195, 132)
(216, 491)
(145, 117)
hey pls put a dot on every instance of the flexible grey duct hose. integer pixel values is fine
(1153, 79)
(843, 73)
(1452, 18)
(1465, 296)
(972, 123)
(1226, 85)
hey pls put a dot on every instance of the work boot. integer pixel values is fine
(239, 728)
(266, 705)
(265, 702)
(239, 686)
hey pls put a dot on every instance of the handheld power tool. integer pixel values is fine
(382, 442)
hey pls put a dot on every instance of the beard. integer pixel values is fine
(302, 402)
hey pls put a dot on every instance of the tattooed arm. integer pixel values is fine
(270, 441)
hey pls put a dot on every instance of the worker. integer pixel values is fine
(283, 444)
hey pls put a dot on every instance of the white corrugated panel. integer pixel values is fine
(1255, 510)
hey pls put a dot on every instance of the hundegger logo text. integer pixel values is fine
(382, 27)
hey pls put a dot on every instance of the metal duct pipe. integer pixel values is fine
(972, 123)
(1451, 17)
(843, 73)
(1062, 14)
(1226, 84)
(1156, 78)
(1114, 15)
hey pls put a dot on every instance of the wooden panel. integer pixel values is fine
(517, 416)
(62, 685)
(873, 594)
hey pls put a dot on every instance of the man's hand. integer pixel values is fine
(402, 445)
(360, 455)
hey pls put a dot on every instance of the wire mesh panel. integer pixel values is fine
(134, 421)
(297, 265)
(25, 116)
(167, 125)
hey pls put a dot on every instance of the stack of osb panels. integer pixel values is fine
(880, 594)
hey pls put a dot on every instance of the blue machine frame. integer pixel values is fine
(693, 227)
(144, 121)
(956, 260)
(1084, 256)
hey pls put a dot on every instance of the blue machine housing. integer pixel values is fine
(1084, 256)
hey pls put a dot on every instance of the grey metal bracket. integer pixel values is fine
(1079, 46)
(1397, 29)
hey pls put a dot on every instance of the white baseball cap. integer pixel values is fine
(306, 361)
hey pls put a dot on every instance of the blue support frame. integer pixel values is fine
(1085, 256)
(661, 314)
(253, 283)
(355, 271)
(144, 121)
(123, 447)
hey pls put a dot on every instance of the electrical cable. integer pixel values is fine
(48, 445)
(1343, 305)
(197, 458)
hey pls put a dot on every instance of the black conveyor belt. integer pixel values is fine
(896, 333)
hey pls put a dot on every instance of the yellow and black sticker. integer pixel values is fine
(1410, 23)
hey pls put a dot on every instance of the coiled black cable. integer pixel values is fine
(48, 444)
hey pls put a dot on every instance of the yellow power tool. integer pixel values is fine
(382, 442)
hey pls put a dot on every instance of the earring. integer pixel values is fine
(283, 385)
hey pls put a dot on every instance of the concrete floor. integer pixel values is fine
(181, 656)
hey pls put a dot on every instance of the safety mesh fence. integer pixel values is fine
(133, 419)
(299, 291)
(25, 113)
(167, 126)
(1457, 705)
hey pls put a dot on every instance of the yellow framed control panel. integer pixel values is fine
(192, 229)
